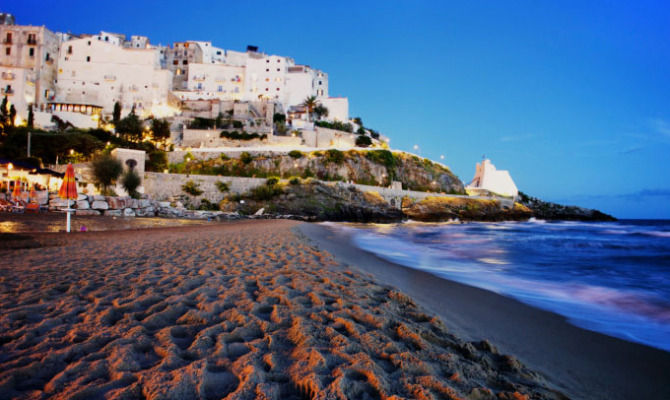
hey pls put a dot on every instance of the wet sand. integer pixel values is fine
(232, 310)
(579, 363)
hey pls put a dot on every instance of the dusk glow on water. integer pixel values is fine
(612, 278)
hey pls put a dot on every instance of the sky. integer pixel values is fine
(571, 97)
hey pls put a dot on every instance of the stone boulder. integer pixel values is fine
(128, 212)
(113, 213)
(100, 205)
(116, 203)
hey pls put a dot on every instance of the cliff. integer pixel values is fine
(373, 167)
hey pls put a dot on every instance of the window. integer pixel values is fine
(278, 69)
(89, 42)
(8, 51)
(175, 62)
(69, 49)
(266, 89)
(267, 69)
(106, 38)
(277, 89)
(320, 82)
(88, 58)
(9, 38)
(267, 61)
(278, 60)
(31, 52)
(185, 62)
(220, 88)
(47, 57)
(32, 38)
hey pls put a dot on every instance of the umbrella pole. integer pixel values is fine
(68, 215)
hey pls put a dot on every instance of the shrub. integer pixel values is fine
(106, 170)
(238, 124)
(265, 192)
(131, 181)
(296, 153)
(208, 205)
(271, 181)
(157, 161)
(383, 157)
(279, 118)
(246, 158)
(235, 135)
(224, 157)
(337, 125)
(294, 180)
(191, 188)
(334, 156)
(202, 123)
(363, 141)
(307, 173)
(222, 186)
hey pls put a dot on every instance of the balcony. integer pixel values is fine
(7, 41)
(8, 76)
(32, 42)
(7, 91)
(110, 78)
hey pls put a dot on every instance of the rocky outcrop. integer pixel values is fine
(373, 167)
(316, 201)
(552, 211)
(436, 209)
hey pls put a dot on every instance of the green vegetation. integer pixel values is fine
(130, 127)
(246, 158)
(106, 170)
(160, 130)
(334, 156)
(201, 123)
(222, 186)
(116, 116)
(273, 180)
(191, 188)
(242, 136)
(296, 154)
(363, 141)
(294, 180)
(131, 181)
(337, 125)
(238, 125)
(266, 192)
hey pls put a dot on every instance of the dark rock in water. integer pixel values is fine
(436, 209)
(316, 201)
(552, 211)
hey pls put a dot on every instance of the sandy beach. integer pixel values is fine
(239, 310)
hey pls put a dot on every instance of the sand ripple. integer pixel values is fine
(236, 311)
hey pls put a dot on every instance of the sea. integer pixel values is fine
(612, 277)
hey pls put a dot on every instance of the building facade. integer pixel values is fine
(100, 73)
(35, 50)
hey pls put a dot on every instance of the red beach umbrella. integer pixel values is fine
(31, 194)
(68, 190)
(16, 194)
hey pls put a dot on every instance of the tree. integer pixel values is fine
(131, 181)
(130, 126)
(106, 170)
(363, 141)
(310, 103)
(12, 115)
(358, 121)
(192, 188)
(117, 113)
(321, 111)
(160, 130)
(31, 116)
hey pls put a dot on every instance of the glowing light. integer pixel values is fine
(416, 147)
(442, 157)
(163, 111)
(165, 171)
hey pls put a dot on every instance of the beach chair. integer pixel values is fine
(5, 205)
(18, 207)
(32, 207)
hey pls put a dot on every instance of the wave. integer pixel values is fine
(576, 272)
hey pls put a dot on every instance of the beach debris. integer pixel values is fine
(260, 211)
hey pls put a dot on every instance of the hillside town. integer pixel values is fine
(81, 78)
(189, 114)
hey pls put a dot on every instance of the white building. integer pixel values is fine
(100, 73)
(489, 179)
(28, 59)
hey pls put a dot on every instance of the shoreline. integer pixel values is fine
(577, 362)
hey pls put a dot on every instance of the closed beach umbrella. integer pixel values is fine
(31, 195)
(68, 190)
(16, 194)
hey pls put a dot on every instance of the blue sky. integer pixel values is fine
(572, 97)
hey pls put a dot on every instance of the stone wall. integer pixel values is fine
(164, 186)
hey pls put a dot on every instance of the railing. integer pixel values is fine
(32, 41)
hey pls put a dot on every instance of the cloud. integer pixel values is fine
(640, 195)
(516, 138)
(661, 126)
(631, 150)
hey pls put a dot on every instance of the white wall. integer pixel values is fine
(225, 82)
(338, 108)
(21, 85)
(100, 73)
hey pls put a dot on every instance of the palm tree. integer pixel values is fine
(310, 104)
(321, 111)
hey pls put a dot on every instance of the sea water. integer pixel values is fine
(612, 278)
